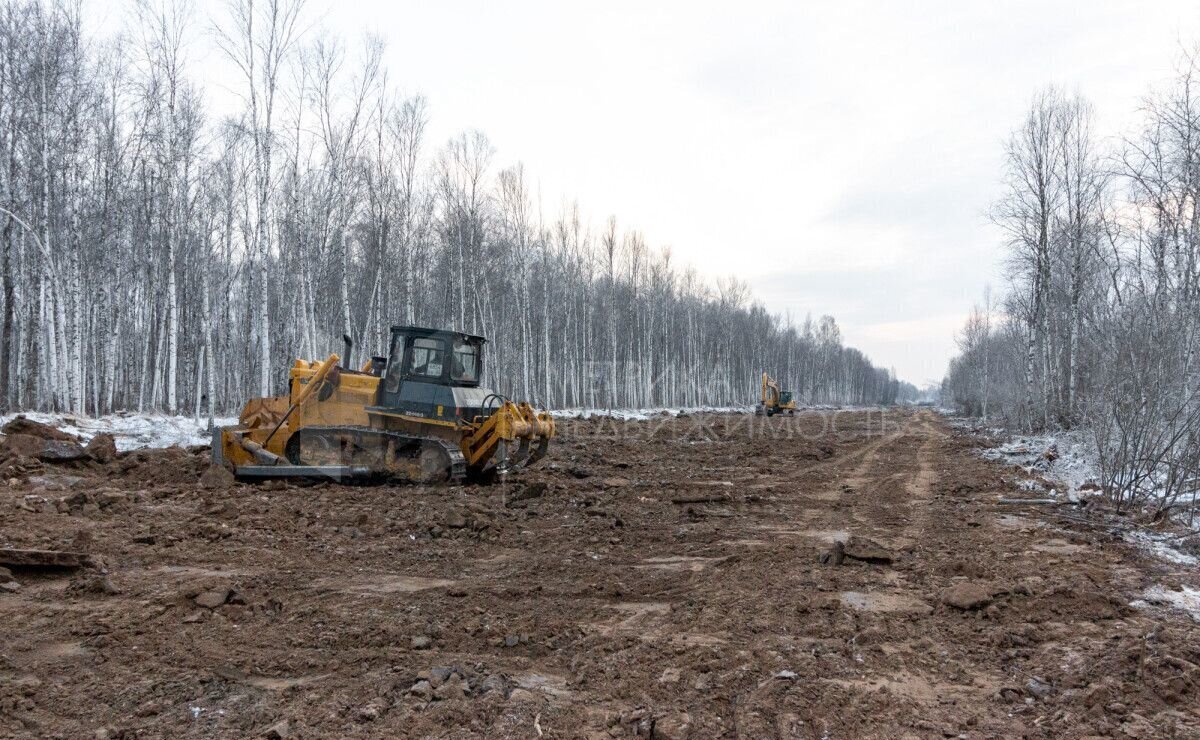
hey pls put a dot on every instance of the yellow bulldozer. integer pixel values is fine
(418, 414)
(774, 400)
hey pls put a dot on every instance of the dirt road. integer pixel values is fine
(656, 577)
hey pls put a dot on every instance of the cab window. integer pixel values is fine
(464, 365)
(427, 358)
(395, 363)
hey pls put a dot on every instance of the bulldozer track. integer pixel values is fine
(456, 467)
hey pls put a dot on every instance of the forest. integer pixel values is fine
(158, 257)
(1097, 331)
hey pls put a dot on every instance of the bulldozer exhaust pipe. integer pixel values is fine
(348, 363)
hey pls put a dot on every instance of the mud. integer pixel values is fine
(581, 600)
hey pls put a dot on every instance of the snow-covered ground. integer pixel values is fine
(1185, 599)
(1068, 463)
(134, 431)
(1163, 546)
(1066, 460)
(131, 431)
(645, 414)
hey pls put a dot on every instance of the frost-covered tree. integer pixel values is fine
(156, 257)
(1099, 329)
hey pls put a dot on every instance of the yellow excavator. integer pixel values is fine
(774, 400)
(418, 414)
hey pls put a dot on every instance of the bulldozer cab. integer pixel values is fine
(433, 373)
(433, 356)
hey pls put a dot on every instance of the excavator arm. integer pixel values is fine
(770, 391)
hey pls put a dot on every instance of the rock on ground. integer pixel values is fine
(102, 448)
(213, 598)
(60, 451)
(217, 477)
(673, 726)
(967, 596)
(867, 550)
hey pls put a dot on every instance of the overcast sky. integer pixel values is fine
(839, 157)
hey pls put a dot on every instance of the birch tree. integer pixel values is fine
(260, 38)
(159, 258)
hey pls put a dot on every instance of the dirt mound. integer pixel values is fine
(24, 425)
(168, 465)
(25, 445)
(216, 476)
(40, 448)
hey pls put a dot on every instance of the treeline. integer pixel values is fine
(156, 257)
(1099, 329)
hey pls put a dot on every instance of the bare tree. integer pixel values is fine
(260, 37)
(1104, 294)
(1026, 213)
(219, 249)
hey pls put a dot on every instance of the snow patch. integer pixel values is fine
(131, 431)
(645, 414)
(1066, 460)
(1161, 546)
(1186, 599)
(660, 412)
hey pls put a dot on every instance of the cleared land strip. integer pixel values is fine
(661, 576)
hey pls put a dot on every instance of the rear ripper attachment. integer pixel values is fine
(418, 415)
